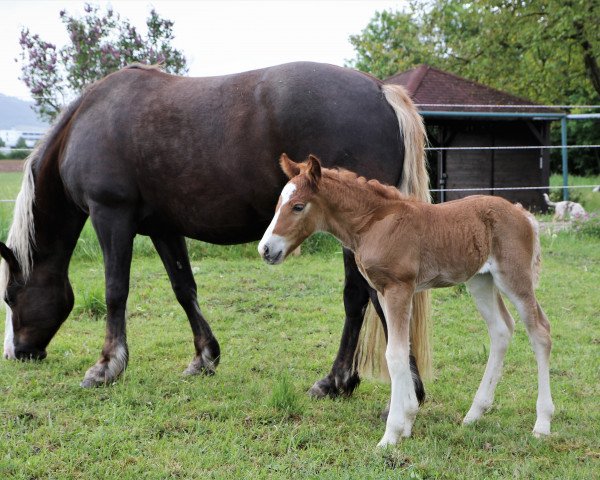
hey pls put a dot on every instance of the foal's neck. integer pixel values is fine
(352, 204)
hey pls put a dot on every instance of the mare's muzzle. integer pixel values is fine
(30, 354)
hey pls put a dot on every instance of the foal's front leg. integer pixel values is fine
(115, 229)
(397, 302)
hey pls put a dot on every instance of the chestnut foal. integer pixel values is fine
(403, 246)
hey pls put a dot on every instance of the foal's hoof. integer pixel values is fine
(387, 441)
(201, 365)
(541, 431)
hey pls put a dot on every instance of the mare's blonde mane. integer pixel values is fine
(21, 235)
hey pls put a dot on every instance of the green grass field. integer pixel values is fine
(279, 329)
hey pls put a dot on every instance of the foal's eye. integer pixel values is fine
(298, 207)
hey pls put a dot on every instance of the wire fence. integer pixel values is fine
(476, 148)
(518, 106)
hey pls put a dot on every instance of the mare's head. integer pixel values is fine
(37, 303)
(298, 212)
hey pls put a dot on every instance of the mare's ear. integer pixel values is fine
(314, 171)
(8, 255)
(289, 167)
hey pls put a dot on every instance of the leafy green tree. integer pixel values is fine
(100, 43)
(546, 50)
(392, 42)
(21, 143)
(543, 50)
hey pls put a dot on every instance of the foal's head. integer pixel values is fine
(298, 212)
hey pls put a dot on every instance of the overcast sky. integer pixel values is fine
(217, 37)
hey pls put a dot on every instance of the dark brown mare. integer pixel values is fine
(143, 152)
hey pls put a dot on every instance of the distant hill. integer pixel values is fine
(17, 113)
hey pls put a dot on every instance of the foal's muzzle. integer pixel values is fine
(272, 257)
(273, 250)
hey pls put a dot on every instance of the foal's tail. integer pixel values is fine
(536, 258)
(370, 354)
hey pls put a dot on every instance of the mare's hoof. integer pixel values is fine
(320, 389)
(334, 386)
(96, 376)
(91, 383)
(202, 365)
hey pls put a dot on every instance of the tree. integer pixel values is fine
(543, 50)
(100, 43)
(546, 50)
(21, 143)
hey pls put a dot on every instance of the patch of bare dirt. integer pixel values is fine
(11, 165)
(553, 227)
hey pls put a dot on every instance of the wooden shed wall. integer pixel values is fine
(490, 169)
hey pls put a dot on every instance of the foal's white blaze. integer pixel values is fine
(9, 342)
(276, 241)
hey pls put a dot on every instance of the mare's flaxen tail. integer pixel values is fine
(370, 354)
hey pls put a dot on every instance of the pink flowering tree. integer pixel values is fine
(100, 43)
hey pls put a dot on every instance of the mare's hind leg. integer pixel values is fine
(343, 379)
(500, 328)
(538, 329)
(173, 253)
(115, 229)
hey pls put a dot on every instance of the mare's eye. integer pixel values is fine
(298, 207)
(8, 301)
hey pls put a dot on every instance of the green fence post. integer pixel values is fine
(565, 158)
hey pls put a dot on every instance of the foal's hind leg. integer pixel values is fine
(500, 328)
(173, 252)
(538, 329)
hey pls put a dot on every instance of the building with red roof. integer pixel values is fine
(464, 119)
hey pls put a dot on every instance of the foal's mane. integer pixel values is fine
(350, 178)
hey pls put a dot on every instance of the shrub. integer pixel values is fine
(589, 227)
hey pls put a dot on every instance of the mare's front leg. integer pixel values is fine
(343, 379)
(115, 228)
(173, 252)
(396, 301)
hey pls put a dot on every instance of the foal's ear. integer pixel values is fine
(289, 167)
(8, 255)
(314, 171)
